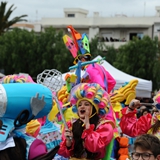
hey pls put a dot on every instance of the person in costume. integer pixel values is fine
(94, 73)
(89, 135)
(148, 123)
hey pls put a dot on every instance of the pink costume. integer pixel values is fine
(95, 141)
(91, 142)
(97, 74)
(132, 126)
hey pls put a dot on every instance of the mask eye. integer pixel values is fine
(69, 47)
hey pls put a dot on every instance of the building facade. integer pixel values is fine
(114, 31)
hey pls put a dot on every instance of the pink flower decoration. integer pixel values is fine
(101, 105)
(85, 87)
(158, 98)
(73, 101)
(89, 95)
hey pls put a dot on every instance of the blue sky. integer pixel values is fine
(36, 9)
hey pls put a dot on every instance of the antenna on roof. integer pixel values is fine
(36, 15)
(144, 8)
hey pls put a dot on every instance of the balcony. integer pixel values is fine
(112, 42)
(115, 44)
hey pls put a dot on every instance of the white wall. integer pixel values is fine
(93, 32)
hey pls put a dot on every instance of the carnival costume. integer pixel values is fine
(78, 45)
(22, 100)
(91, 143)
(94, 73)
(133, 127)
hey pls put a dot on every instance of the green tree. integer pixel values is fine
(16, 49)
(24, 51)
(96, 47)
(54, 52)
(111, 54)
(5, 14)
(140, 58)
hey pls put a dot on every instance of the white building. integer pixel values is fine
(115, 30)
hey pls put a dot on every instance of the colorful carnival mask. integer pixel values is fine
(70, 45)
(78, 45)
(84, 44)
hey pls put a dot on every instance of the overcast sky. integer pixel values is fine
(36, 9)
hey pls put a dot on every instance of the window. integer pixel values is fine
(138, 35)
(71, 15)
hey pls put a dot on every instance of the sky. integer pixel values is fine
(37, 9)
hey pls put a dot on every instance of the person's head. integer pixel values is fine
(84, 106)
(145, 111)
(142, 108)
(155, 122)
(154, 110)
(146, 147)
(82, 58)
(146, 100)
(156, 100)
(90, 96)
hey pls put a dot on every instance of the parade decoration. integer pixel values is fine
(78, 44)
(23, 102)
(20, 78)
(123, 96)
(53, 80)
(70, 81)
(70, 45)
(20, 103)
(63, 97)
(80, 64)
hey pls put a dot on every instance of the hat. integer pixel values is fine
(78, 45)
(93, 93)
(17, 79)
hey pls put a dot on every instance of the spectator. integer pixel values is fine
(146, 147)
(145, 111)
(133, 127)
(139, 113)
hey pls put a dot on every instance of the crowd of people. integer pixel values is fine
(95, 133)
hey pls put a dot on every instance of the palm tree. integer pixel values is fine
(5, 23)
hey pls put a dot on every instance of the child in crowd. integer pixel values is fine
(146, 147)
